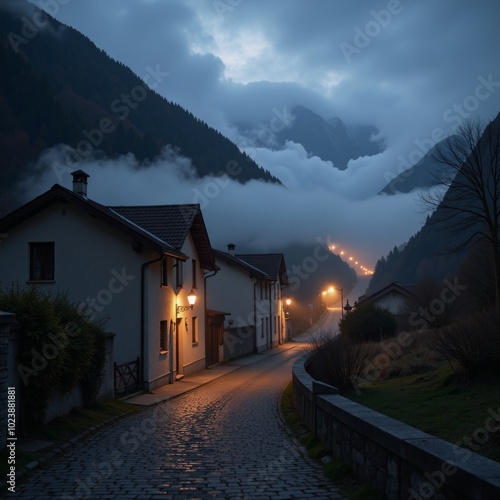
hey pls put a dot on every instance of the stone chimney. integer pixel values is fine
(80, 183)
(230, 248)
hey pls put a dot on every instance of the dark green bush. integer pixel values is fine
(58, 349)
(472, 343)
(368, 323)
(337, 361)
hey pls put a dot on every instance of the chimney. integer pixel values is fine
(80, 183)
(230, 248)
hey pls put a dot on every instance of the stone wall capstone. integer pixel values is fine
(396, 459)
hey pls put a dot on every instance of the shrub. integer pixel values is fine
(473, 342)
(337, 361)
(57, 350)
(368, 323)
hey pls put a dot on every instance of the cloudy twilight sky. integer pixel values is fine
(413, 68)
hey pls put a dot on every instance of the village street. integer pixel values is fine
(225, 439)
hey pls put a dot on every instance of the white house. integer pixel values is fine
(249, 289)
(393, 297)
(135, 266)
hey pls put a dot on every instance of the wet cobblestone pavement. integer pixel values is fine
(224, 439)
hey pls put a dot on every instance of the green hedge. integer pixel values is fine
(368, 323)
(58, 349)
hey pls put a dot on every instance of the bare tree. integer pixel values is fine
(470, 206)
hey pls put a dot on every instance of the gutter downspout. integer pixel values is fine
(205, 277)
(271, 322)
(143, 315)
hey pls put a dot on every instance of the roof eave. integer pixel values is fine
(60, 194)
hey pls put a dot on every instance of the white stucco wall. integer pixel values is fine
(94, 263)
(232, 290)
(393, 301)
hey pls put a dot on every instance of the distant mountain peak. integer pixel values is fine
(331, 140)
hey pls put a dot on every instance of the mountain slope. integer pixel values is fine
(331, 140)
(439, 248)
(58, 87)
(419, 176)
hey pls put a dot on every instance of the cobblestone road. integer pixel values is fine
(225, 439)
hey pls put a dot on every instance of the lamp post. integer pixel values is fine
(191, 301)
(347, 307)
(288, 301)
(331, 290)
(341, 290)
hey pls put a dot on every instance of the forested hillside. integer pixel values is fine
(57, 87)
(448, 236)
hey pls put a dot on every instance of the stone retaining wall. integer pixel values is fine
(396, 459)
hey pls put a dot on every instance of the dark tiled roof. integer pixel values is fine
(241, 263)
(173, 223)
(273, 264)
(406, 290)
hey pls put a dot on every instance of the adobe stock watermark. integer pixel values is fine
(116, 284)
(393, 349)
(246, 328)
(50, 350)
(379, 20)
(265, 477)
(120, 108)
(213, 187)
(473, 442)
(309, 265)
(38, 21)
(128, 443)
(277, 123)
(223, 7)
(57, 342)
(455, 114)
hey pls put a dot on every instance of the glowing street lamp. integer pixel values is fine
(191, 301)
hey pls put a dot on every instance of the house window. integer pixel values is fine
(163, 336)
(194, 273)
(194, 330)
(41, 261)
(178, 274)
(164, 272)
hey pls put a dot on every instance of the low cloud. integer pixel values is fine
(257, 216)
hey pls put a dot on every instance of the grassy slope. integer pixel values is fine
(433, 403)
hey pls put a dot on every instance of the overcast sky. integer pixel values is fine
(413, 68)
